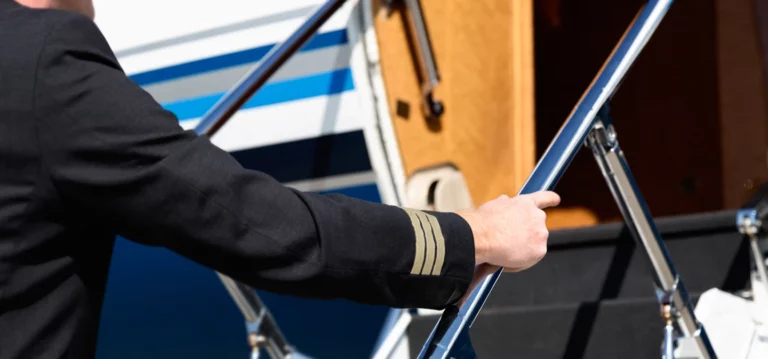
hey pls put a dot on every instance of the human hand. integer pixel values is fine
(509, 233)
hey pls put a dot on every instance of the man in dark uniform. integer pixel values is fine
(86, 154)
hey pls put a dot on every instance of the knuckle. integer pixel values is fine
(543, 233)
(528, 203)
(542, 252)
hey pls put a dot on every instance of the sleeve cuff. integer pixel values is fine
(444, 252)
(459, 245)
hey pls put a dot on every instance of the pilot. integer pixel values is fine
(86, 154)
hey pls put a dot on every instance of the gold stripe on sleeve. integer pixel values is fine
(418, 258)
(429, 262)
(439, 242)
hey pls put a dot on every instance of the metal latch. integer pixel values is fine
(432, 108)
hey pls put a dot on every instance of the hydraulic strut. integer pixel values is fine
(589, 123)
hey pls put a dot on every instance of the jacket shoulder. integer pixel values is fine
(38, 26)
(33, 41)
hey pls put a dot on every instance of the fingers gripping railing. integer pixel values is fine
(263, 332)
(589, 118)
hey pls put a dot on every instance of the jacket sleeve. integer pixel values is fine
(118, 159)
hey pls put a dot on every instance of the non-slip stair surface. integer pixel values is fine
(611, 329)
(603, 262)
(593, 296)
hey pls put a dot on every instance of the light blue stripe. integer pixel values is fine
(327, 83)
(318, 41)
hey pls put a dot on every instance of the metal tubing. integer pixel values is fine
(430, 76)
(258, 319)
(751, 225)
(616, 171)
(427, 58)
(668, 348)
(233, 100)
(455, 322)
(394, 336)
(249, 309)
(757, 254)
(254, 311)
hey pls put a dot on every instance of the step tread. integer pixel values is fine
(586, 264)
(618, 328)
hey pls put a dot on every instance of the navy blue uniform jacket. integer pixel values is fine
(86, 155)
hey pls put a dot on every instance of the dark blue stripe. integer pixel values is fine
(332, 38)
(327, 83)
(319, 157)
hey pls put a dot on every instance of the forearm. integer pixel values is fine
(481, 243)
(196, 200)
(247, 225)
(115, 155)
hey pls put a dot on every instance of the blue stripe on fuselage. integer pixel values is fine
(313, 158)
(327, 83)
(319, 41)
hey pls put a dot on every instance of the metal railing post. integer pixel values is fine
(450, 337)
(263, 331)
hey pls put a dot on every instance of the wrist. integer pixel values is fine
(482, 245)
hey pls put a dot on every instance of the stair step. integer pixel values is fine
(593, 296)
(618, 328)
(603, 262)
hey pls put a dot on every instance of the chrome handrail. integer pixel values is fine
(263, 331)
(450, 336)
(233, 100)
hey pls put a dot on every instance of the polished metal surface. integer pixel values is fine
(749, 224)
(261, 326)
(426, 58)
(668, 348)
(757, 254)
(667, 313)
(262, 329)
(450, 337)
(747, 221)
(616, 172)
(615, 169)
(394, 336)
(233, 100)
(250, 311)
